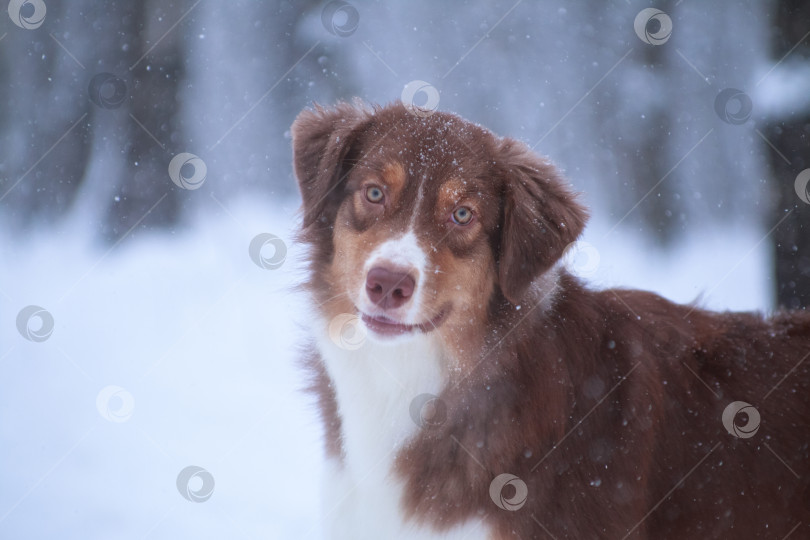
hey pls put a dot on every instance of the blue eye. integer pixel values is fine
(374, 194)
(462, 215)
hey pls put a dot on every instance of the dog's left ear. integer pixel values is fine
(541, 216)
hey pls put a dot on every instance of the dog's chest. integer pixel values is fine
(379, 390)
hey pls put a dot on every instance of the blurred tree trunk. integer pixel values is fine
(153, 134)
(44, 142)
(650, 163)
(791, 137)
(647, 150)
(649, 168)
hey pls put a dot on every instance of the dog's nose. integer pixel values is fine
(387, 288)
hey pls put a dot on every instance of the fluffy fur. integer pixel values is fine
(606, 405)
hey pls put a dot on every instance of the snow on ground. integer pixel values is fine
(202, 341)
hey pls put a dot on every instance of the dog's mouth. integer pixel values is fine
(386, 326)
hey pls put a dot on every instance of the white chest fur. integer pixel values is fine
(375, 386)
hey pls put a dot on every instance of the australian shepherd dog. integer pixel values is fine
(471, 387)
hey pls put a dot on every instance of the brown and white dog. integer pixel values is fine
(488, 393)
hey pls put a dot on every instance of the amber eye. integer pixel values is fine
(462, 215)
(374, 194)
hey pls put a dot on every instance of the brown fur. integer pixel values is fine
(607, 404)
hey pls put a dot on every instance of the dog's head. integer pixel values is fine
(421, 222)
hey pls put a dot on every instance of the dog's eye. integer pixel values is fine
(462, 215)
(374, 194)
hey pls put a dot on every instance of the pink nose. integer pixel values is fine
(389, 289)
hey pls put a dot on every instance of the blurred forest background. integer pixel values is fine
(635, 125)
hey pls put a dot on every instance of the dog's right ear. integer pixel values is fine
(322, 138)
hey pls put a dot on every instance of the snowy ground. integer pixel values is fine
(203, 341)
